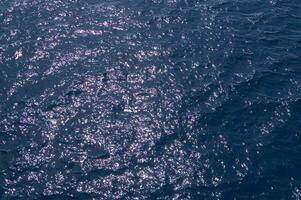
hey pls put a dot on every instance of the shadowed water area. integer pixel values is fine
(150, 99)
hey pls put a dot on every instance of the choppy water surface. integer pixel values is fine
(150, 99)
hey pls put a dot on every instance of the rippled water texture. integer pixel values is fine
(150, 99)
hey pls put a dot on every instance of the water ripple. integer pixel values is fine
(150, 99)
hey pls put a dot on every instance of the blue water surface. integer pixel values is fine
(150, 99)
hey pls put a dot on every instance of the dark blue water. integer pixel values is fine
(150, 99)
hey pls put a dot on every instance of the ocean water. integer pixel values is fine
(150, 99)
